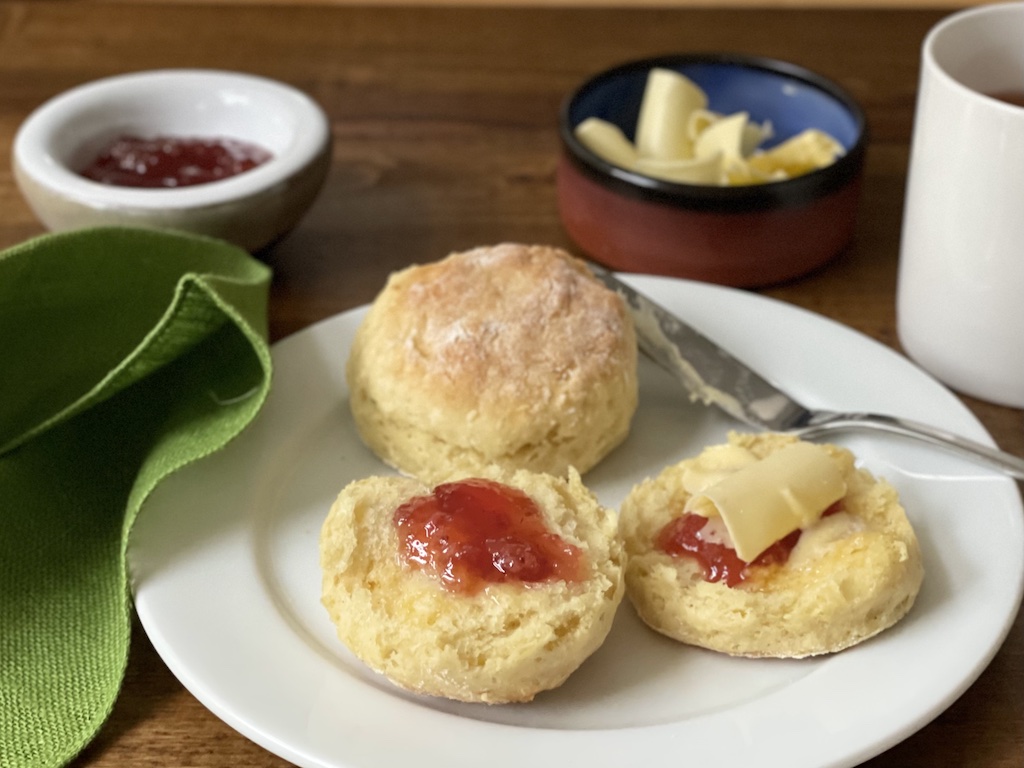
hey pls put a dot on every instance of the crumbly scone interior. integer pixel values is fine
(504, 644)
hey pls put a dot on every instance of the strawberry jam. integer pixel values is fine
(170, 162)
(476, 532)
(680, 537)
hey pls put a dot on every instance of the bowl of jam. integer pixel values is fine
(223, 154)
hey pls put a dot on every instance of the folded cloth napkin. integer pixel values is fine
(124, 355)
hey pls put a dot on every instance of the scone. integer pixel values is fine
(511, 355)
(487, 589)
(850, 569)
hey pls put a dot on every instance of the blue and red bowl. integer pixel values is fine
(744, 236)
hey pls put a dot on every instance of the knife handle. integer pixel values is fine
(829, 422)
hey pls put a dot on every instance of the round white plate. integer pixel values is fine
(227, 584)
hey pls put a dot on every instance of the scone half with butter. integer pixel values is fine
(508, 354)
(488, 589)
(768, 546)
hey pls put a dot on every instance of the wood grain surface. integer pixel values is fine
(632, 4)
(444, 123)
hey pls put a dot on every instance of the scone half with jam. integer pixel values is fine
(768, 546)
(490, 588)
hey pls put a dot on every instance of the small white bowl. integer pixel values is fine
(252, 209)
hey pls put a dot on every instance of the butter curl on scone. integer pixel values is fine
(851, 574)
(509, 354)
(492, 642)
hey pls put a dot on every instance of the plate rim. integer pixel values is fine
(267, 739)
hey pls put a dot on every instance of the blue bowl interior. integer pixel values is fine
(791, 103)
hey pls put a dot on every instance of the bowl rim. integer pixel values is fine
(31, 149)
(703, 197)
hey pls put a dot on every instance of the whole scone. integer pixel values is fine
(497, 643)
(512, 355)
(851, 574)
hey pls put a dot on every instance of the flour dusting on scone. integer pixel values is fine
(509, 354)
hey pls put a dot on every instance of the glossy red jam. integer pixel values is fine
(681, 538)
(170, 161)
(476, 532)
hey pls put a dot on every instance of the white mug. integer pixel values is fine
(960, 294)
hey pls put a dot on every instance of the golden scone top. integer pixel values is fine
(512, 320)
(509, 354)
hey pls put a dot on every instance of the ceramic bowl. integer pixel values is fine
(252, 209)
(741, 236)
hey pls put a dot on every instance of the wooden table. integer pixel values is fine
(444, 120)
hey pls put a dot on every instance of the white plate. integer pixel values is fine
(226, 580)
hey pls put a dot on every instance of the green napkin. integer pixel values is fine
(124, 355)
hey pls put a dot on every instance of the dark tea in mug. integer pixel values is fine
(1010, 97)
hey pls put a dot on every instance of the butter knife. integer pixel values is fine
(714, 377)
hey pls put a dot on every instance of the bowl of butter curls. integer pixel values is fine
(724, 168)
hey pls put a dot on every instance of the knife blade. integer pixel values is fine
(716, 378)
(708, 373)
